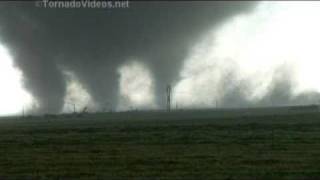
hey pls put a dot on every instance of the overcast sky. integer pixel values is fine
(225, 54)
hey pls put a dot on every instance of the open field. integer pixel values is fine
(129, 146)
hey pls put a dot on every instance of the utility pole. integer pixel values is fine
(74, 106)
(23, 112)
(169, 97)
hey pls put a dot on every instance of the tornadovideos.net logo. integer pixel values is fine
(82, 4)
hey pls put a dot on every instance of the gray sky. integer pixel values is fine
(96, 44)
(93, 43)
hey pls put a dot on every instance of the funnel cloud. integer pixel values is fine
(266, 57)
(95, 44)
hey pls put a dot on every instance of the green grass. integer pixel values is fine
(93, 147)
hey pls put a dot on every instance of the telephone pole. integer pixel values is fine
(168, 97)
(73, 105)
(23, 112)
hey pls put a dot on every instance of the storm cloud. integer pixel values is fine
(265, 57)
(93, 43)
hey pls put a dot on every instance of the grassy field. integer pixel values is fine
(96, 147)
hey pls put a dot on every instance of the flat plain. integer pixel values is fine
(136, 146)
